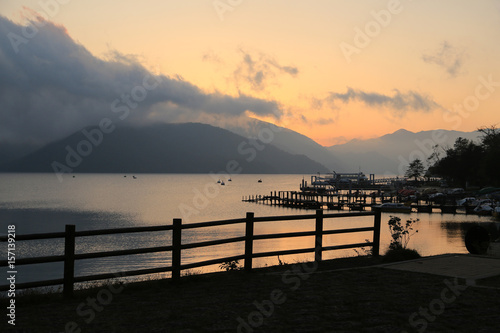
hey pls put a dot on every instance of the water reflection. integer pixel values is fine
(458, 230)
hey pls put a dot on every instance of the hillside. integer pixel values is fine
(162, 148)
(290, 141)
(391, 153)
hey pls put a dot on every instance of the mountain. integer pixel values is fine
(161, 148)
(390, 154)
(10, 151)
(287, 140)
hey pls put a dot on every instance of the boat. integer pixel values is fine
(496, 213)
(484, 209)
(390, 207)
(229, 180)
(218, 182)
(222, 183)
(466, 201)
(259, 181)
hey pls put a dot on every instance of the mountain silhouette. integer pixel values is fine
(161, 148)
(391, 153)
(289, 141)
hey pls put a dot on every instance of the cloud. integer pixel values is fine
(211, 56)
(51, 86)
(259, 71)
(450, 58)
(399, 102)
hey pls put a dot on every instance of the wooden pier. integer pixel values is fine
(312, 200)
(350, 202)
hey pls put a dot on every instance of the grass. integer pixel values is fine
(187, 276)
(44, 294)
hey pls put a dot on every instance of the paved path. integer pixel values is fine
(471, 268)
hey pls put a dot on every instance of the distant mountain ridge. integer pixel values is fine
(162, 148)
(289, 141)
(201, 148)
(391, 153)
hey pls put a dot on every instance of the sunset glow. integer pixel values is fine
(338, 70)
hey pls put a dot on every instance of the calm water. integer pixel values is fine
(38, 203)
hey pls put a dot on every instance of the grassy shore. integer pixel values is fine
(342, 295)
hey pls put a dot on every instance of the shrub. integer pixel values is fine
(400, 254)
(400, 233)
(230, 265)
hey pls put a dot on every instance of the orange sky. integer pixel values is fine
(339, 69)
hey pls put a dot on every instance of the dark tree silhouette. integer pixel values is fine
(415, 169)
(470, 163)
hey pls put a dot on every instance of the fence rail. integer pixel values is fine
(70, 235)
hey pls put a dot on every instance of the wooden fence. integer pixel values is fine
(176, 247)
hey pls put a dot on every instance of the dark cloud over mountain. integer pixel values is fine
(52, 86)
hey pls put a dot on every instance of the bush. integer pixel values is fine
(393, 255)
(401, 234)
(230, 265)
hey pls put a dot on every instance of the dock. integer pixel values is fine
(357, 192)
(350, 202)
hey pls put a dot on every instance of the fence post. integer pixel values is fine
(249, 241)
(176, 251)
(318, 247)
(69, 260)
(376, 231)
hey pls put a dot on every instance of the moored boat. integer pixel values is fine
(496, 212)
(390, 207)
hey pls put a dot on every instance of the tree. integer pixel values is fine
(461, 165)
(491, 155)
(471, 163)
(415, 169)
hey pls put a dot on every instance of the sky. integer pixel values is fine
(331, 70)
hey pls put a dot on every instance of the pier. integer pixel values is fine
(357, 192)
(351, 202)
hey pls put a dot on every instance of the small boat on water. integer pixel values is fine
(259, 181)
(218, 182)
(390, 207)
(222, 183)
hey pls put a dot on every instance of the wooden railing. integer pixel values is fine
(176, 247)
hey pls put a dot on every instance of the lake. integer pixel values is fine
(39, 203)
